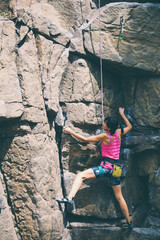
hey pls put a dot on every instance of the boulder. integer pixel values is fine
(128, 53)
(79, 83)
(10, 95)
(94, 231)
(66, 235)
(72, 13)
(29, 77)
(7, 230)
(143, 234)
(31, 170)
(103, 2)
(41, 18)
(154, 197)
(142, 95)
(152, 222)
(147, 163)
(53, 60)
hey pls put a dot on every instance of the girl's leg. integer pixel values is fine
(118, 194)
(87, 174)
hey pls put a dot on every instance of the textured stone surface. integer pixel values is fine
(96, 231)
(103, 2)
(53, 61)
(72, 12)
(66, 235)
(90, 231)
(73, 88)
(49, 68)
(36, 184)
(143, 233)
(10, 91)
(39, 17)
(28, 71)
(131, 51)
(29, 153)
(142, 95)
(7, 230)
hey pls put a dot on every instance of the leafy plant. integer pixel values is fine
(4, 14)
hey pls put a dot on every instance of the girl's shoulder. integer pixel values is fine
(118, 134)
(107, 138)
(118, 131)
(106, 134)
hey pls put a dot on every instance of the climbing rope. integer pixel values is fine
(100, 50)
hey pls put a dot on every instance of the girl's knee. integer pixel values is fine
(119, 198)
(84, 175)
(81, 175)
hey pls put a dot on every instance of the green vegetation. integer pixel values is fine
(4, 14)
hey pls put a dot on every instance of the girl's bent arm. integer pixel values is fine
(127, 122)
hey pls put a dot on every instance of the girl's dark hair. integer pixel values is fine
(112, 123)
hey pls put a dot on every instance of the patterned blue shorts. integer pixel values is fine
(105, 172)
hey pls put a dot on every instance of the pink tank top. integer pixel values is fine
(112, 150)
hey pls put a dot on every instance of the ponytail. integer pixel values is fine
(122, 130)
(113, 131)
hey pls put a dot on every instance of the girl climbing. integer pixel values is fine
(110, 150)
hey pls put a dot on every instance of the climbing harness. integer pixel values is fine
(122, 24)
(117, 170)
(100, 50)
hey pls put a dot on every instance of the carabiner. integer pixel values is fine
(122, 35)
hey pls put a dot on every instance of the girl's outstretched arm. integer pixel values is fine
(96, 138)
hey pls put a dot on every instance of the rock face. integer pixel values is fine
(10, 95)
(50, 77)
(135, 41)
(7, 230)
(105, 232)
